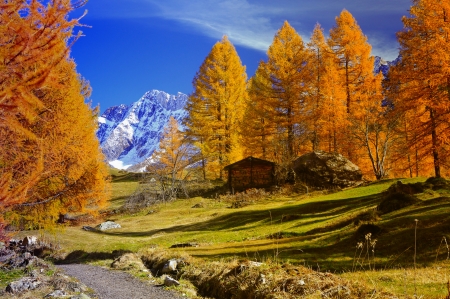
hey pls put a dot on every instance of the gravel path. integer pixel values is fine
(110, 284)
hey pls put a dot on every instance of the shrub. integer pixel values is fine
(399, 187)
(396, 201)
(239, 200)
(365, 229)
(437, 183)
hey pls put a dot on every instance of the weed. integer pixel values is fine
(443, 240)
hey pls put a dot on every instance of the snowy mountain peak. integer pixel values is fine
(381, 65)
(129, 134)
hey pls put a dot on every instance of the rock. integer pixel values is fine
(23, 284)
(169, 267)
(89, 228)
(327, 170)
(262, 279)
(56, 294)
(169, 281)
(190, 244)
(198, 205)
(80, 296)
(29, 240)
(6, 255)
(107, 225)
(255, 264)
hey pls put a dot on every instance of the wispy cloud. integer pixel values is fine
(246, 24)
(253, 24)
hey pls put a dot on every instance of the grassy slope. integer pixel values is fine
(320, 234)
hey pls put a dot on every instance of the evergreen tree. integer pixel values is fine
(216, 107)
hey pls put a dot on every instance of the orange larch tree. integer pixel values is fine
(74, 174)
(363, 90)
(50, 162)
(216, 107)
(327, 96)
(283, 84)
(170, 162)
(258, 131)
(34, 38)
(421, 82)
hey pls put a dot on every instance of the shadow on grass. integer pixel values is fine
(118, 200)
(240, 220)
(129, 177)
(81, 256)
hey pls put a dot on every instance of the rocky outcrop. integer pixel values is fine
(129, 135)
(23, 284)
(19, 254)
(326, 170)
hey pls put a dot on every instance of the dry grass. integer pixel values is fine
(241, 279)
(316, 230)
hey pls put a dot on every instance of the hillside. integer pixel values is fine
(318, 230)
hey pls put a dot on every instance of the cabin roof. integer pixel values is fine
(247, 160)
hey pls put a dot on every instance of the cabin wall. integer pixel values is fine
(251, 176)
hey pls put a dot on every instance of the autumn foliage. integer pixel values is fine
(420, 83)
(170, 163)
(324, 95)
(216, 108)
(50, 162)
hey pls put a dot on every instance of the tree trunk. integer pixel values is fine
(434, 142)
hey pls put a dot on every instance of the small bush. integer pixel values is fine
(399, 187)
(438, 183)
(239, 200)
(369, 216)
(396, 201)
(365, 229)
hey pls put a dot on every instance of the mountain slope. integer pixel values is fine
(129, 134)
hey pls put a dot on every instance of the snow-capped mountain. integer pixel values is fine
(130, 134)
(381, 65)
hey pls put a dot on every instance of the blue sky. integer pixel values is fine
(133, 46)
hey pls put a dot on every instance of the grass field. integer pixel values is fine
(317, 230)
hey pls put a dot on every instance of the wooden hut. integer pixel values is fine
(249, 173)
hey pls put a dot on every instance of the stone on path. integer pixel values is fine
(169, 281)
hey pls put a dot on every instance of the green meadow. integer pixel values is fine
(325, 232)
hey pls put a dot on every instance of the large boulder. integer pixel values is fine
(107, 225)
(326, 170)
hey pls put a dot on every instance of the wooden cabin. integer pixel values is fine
(249, 173)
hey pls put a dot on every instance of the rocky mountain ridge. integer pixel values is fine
(129, 135)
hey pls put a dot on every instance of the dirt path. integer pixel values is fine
(110, 284)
